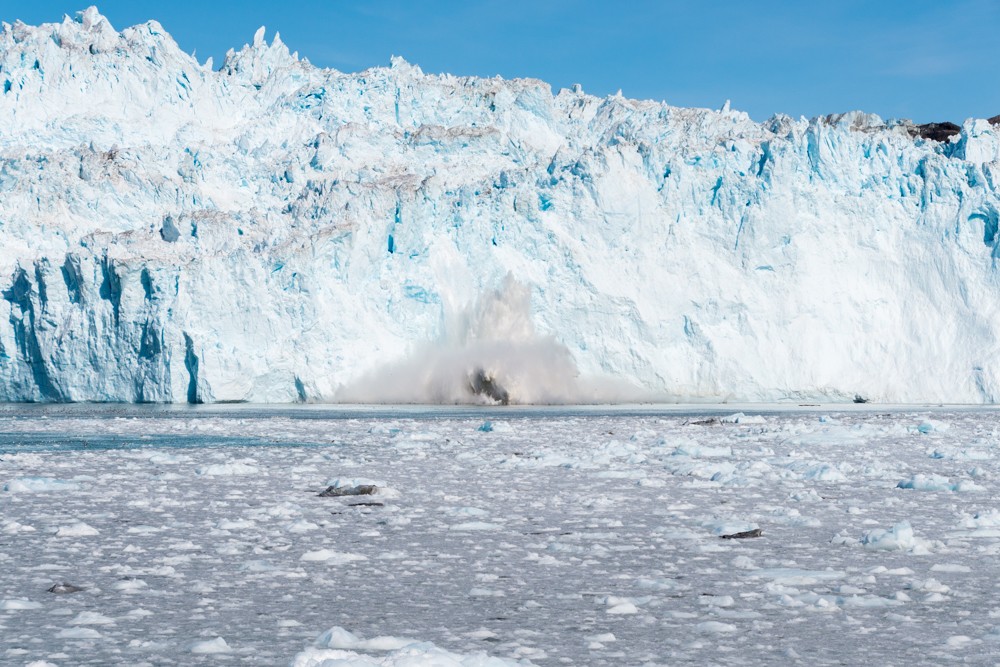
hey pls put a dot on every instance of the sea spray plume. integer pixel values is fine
(489, 352)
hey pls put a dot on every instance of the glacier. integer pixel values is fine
(271, 231)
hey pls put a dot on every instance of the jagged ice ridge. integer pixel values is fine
(273, 231)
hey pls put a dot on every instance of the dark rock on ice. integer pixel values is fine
(756, 532)
(483, 384)
(360, 490)
(169, 231)
(64, 589)
(935, 131)
(368, 504)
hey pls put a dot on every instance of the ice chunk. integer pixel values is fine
(331, 557)
(19, 605)
(228, 469)
(921, 482)
(78, 529)
(40, 485)
(740, 418)
(217, 645)
(899, 538)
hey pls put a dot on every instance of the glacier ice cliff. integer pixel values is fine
(273, 231)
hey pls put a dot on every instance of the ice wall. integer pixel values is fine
(271, 231)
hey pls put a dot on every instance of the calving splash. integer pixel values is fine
(489, 353)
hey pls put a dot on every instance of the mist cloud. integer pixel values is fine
(489, 353)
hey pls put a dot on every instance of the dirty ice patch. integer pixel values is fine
(339, 647)
(381, 488)
(351, 482)
(729, 526)
(39, 485)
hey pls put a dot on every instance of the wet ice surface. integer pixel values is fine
(558, 537)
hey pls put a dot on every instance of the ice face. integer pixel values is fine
(272, 231)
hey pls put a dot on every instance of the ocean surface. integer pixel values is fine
(659, 535)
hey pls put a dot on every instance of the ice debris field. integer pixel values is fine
(488, 538)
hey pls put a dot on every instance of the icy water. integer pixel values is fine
(588, 536)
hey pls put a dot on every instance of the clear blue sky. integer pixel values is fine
(920, 59)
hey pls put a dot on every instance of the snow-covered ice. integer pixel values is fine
(270, 231)
(569, 536)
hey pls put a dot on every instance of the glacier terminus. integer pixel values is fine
(270, 231)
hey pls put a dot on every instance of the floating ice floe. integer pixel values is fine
(78, 633)
(730, 526)
(353, 486)
(40, 485)
(210, 646)
(467, 526)
(922, 482)
(716, 627)
(78, 529)
(619, 606)
(91, 618)
(490, 426)
(19, 605)
(740, 418)
(932, 426)
(232, 468)
(14, 527)
(791, 576)
(338, 647)
(898, 538)
(331, 557)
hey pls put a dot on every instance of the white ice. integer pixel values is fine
(565, 537)
(271, 231)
